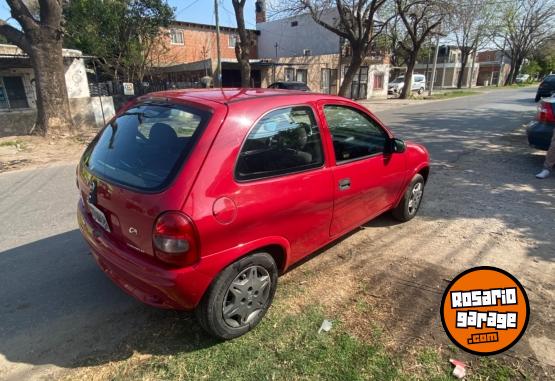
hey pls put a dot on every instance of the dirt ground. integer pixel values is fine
(18, 152)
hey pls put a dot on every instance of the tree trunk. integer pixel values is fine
(53, 113)
(461, 74)
(356, 63)
(243, 46)
(407, 87)
(516, 70)
(511, 71)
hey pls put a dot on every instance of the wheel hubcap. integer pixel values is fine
(247, 296)
(415, 197)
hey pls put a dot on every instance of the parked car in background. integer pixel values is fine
(301, 86)
(197, 200)
(540, 131)
(521, 78)
(546, 88)
(418, 84)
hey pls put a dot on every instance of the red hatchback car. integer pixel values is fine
(198, 199)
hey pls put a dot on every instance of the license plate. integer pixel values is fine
(99, 217)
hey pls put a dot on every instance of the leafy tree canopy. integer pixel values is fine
(121, 33)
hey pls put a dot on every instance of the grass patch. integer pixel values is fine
(287, 347)
(282, 347)
(12, 143)
(491, 369)
(452, 94)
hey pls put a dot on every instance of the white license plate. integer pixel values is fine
(99, 217)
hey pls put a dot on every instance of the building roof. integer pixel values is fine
(206, 26)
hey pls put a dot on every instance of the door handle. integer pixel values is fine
(344, 184)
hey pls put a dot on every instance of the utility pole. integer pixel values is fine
(218, 79)
(434, 67)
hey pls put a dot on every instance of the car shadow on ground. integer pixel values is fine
(57, 307)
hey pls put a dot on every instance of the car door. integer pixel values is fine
(367, 181)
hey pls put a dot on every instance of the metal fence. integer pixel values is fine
(114, 88)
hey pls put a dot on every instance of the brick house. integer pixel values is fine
(491, 66)
(189, 52)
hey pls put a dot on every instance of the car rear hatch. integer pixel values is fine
(131, 172)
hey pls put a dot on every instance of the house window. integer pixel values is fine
(232, 40)
(294, 23)
(177, 37)
(289, 74)
(328, 84)
(302, 75)
(378, 81)
(12, 93)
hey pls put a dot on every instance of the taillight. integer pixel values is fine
(175, 239)
(545, 112)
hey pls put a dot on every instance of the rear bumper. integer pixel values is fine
(540, 134)
(143, 278)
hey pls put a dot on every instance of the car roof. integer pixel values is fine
(232, 95)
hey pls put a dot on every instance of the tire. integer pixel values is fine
(420, 91)
(246, 277)
(406, 210)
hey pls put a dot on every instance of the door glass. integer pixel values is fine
(354, 134)
(284, 141)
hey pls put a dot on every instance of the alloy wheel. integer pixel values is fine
(415, 198)
(247, 296)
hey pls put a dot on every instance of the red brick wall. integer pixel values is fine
(199, 44)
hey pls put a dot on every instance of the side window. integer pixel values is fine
(284, 141)
(354, 134)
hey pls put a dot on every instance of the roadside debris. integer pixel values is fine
(460, 368)
(326, 326)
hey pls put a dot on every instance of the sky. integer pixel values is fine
(200, 11)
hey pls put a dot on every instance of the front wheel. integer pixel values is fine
(411, 201)
(239, 297)
(420, 91)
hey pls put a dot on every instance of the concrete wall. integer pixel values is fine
(448, 74)
(292, 40)
(86, 113)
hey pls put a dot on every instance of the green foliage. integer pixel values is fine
(123, 34)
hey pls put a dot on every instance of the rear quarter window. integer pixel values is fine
(145, 147)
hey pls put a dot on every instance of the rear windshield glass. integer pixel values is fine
(145, 147)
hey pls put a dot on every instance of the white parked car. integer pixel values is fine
(418, 84)
(521, 78)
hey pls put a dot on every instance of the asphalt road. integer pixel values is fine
(56, 307)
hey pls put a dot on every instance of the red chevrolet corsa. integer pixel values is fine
(198, 199)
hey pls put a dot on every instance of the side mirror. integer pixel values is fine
(396, 146)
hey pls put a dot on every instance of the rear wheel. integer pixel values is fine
(239, 297)
(411, 201)
(420, 91)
